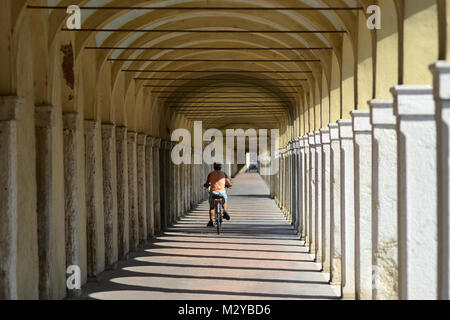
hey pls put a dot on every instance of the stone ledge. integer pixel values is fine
(305, 142)
(382, 112)
(71, 120)
(334, 131)
(132, 136)
(91, 126)
(10, 108)
(345, 129)
(318, 138)
(311, 139)
(141, 139)
(325, 136)
(45, 116)
(121, 133)
(361, 121)
(441, 73)
(157, 143)
(150, 141)
(413, 100)
(108, 130)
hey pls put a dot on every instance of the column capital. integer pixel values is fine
(150, 141)
(413, 100)
(141, 139)
(132, 136)
(325, 136)
(311, 139)
(361, 121)
(45, 116)
(305, 141)
(317, 138)
(441, 74)
(90, 126)
(10, 108)
(301, 142)
(71, 120)
(108, 130)
(121, 133)
(334, 131)
(345, 129)
(382, 113)
(157, 142)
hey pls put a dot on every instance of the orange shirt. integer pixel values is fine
(218, 181)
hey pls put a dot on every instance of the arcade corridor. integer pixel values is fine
(111, 110)
(259, 256)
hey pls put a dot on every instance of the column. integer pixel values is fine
(123, 220)
(94, 199)
(318, 198)
(417, 162)
(385, 204)
(142, 188)
(45, 121)
(173, 186)
(10, 108)
(306, 189)
(312, 194)
(109, 194)
(441, 71)
(150, 188)
(132, 191)
(71, 124)
(347, 208)
(362, 132)
(335, 205)
(179, 209)
(326, 199)
(297, 186)
(156, 184)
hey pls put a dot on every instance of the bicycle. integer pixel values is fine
(218, 207)
(218, 200)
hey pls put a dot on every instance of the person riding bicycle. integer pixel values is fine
(218, 181)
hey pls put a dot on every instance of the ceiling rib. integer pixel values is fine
(149, 8)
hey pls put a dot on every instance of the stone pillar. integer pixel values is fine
(335, 205)
(132, 191)
(109, 194)
(142, 188)
(347, 208)
(312, 194)
(385, 204)
(165, 186)
(362, 132)
(156, 184)
(441, 71)
(178, 190)
(318, 198)
(123, 220)
(173, 186)
(71, 123)
(45, 121)
(417, 162)
(306, 190)
(149, 187)
(94, 199)
(297, 186)
(10, 108)
(326, 199)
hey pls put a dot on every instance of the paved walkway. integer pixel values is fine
(259, 256)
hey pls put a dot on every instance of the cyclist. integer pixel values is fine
(218, 181)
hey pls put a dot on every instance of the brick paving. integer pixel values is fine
(258, 256)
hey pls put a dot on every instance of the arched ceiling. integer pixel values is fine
(229, 65)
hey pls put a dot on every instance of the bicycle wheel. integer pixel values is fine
(218, 209)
